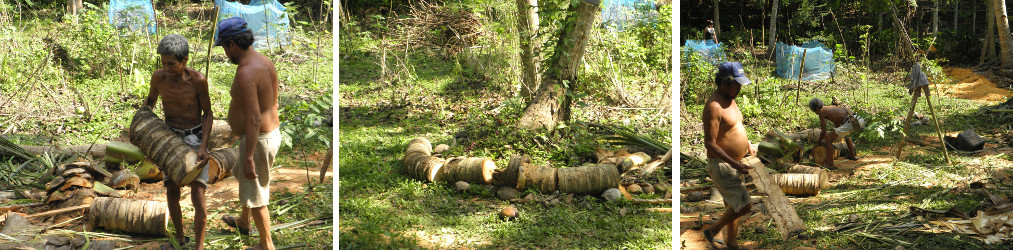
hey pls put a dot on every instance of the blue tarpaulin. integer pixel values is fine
(619, 13)
(267, 19)
(710, 51)
(132, 15)
(819, 61)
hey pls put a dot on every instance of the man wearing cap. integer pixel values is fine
(187, 108)
(726, 143)
(253, 114)
(845, 123)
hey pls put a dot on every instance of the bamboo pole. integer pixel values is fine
(939, 132)
(798, 91)
(58, 211)
(907, 123)
(211, 44)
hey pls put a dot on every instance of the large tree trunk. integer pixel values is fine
(74, 6)
(717, 21)
(988, 49)
(551, 104)
(773, 24)
(935, 18)
(956, 12)
(1005, 38)
(527, 27)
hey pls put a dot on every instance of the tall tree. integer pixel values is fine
(717, 20)
(935, 18)
(551, 104)
(773, 24)
(1005, 38)
(527, 26)
(988, 49)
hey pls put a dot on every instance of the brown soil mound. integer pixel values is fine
(972, 86)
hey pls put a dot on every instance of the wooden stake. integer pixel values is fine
(907, 124)
(211, 44)
(928, 98)
(798, 91)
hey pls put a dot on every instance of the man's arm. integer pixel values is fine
(711, 125)
(204, 100)
(823, 128)
(251, 107)
(152, 93)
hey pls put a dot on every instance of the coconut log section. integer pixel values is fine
(133, 216)
(164, 147)
(221, 163)
(543, 179)
(419, 162)
(822, 157)
(468, 169)
(798, 184)
(778, 206)
(588, 179)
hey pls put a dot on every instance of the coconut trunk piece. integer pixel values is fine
(127, 215)
(221, 164)
(823, 176)
(163, 147)
(543, 179)
(798, 184)
(778, 207)
(588, 180)
(468, 169)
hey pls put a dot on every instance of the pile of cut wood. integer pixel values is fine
(421, 163)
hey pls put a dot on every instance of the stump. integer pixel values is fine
(798, 184)
(824, 177)
(221, 163)
(820, 155)
(468, 169)
(588, 180)
(163, 147)
(541, 178)
(133, 216)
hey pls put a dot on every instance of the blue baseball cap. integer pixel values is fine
(229, 27)
(735, 71)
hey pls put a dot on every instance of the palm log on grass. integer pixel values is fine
(543, 179)
(127, 215)
(164, 147)
(467, 169)
(419, 162)
(507, 177)
(589, 179)
(798, 183)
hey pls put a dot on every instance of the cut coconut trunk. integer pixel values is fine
(164, 147)
(133, 216)
(221, 164)
(822, 175)
(508, 176)
(798, 184)
(148, 171)
(588, 180)
(820, 155)
(540, 178)
(423, 167)
(468, 169)
(125, 151)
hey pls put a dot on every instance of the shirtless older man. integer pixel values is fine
(845, 123)
(253, 114)
(187, 107)
(726, 143)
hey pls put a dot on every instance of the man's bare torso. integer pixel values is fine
(179, 95)
(835, 114)
(731, 134)
(266, 81)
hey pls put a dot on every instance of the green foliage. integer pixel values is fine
(881, 128)
(697, 79)
(302, 124)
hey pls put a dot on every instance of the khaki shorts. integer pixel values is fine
(255, 193)
(729, 183)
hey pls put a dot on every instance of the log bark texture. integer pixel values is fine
(221, 164)
(588, 180)
(541, 178)
(127, 215)
(798, 184)
(778, 206)
(468, 169)
(165, 148)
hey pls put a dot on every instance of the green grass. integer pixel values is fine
(878, 198)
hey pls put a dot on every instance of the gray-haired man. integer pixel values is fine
(187, 108)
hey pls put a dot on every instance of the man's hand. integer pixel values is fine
(751, 150)
(248, 169)
(202, 154)
(742, 168)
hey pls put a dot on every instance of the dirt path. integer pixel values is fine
(972, 86)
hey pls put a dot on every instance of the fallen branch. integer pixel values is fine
(660, 209)
(58, 211)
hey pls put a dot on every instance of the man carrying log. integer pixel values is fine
(845, 122)
(253, 114)
(726, 143)
(187, 107)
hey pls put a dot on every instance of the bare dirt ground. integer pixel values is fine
(972, 86)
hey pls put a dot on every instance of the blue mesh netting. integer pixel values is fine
(819, 61)
(617, 14)
(264, 17)
(132, 15)
(710, 51)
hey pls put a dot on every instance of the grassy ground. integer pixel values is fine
(469, 98)
(52, 64)
(867, 202)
